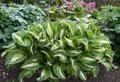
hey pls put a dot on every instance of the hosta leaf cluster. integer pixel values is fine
(109, 21)
(16, 17)
(59, 50)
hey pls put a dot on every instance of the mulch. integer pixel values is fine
(103, 76)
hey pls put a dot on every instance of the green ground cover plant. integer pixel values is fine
(15, 17)
(109, 21)
(60, 50)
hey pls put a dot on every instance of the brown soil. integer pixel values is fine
(103, 76)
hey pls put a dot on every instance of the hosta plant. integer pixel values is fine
(60, 50)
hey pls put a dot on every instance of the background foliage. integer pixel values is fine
(107, 2)
(99, 2)
(109, 21)
(16, 17)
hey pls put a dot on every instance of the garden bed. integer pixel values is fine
(103, 76)
(59, 45)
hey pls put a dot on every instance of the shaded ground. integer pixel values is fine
(104, 76)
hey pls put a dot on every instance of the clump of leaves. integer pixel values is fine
(17, 17)
(109, 21)
(59, 50)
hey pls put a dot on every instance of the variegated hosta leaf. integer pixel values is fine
(25, 74)
(73, 53)
(49, 30)
(87, 59)
(109, 54)
(62, 57)
(95, 70)
(108, 65)
(23, 41)
(32, 64)
(69, 42)
(35, 33)
(82, 75)
(62, 33)
(100, 41)
(104, 42)
(83, 41)
(97, 55)
(45, 74)
(31, 49)
(94, 27)
(17, 39)
(99, 50)
(46, 54)
(62, 51)
(4, 53)
(70, 27)
(58, 71)
(55, 47)
(15, 56)
(61, 43)
(86, 66)
(75, 66)
(42, 42)
(80, 30)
